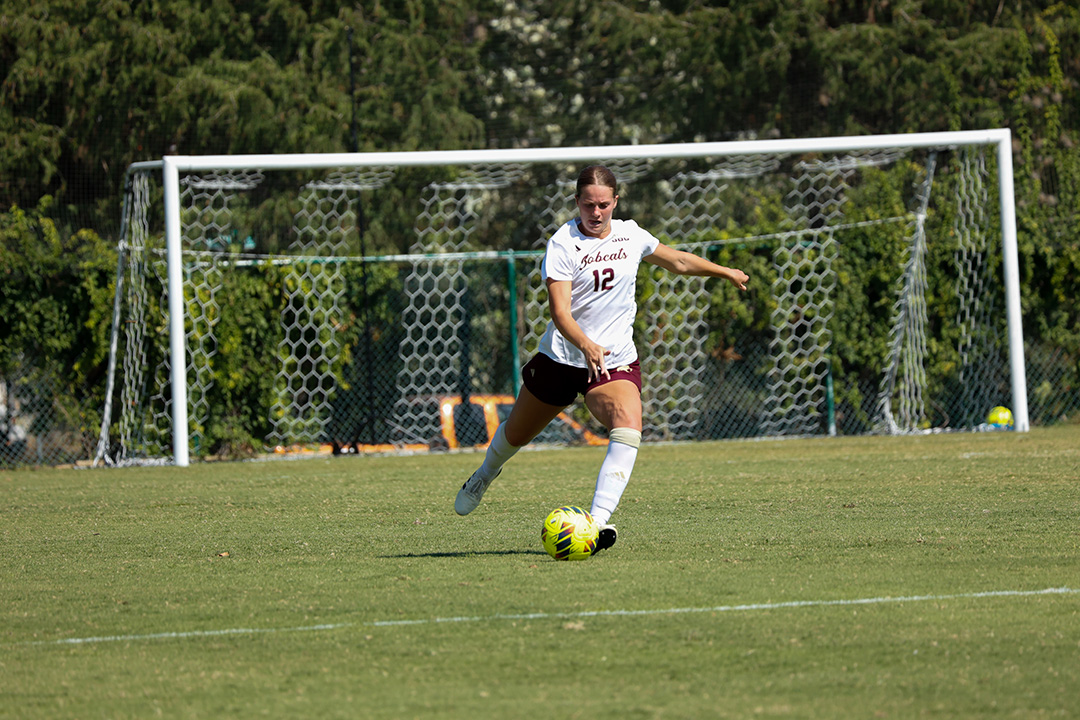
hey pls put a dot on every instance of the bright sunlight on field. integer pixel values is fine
(864, 577)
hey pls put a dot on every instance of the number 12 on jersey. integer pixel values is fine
(603, 278)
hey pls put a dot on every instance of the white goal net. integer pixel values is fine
(880, 297)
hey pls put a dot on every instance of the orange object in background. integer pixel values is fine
(563, 429)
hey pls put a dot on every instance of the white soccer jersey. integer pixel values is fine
(603, 276)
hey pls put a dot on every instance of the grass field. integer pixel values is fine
(858, 577)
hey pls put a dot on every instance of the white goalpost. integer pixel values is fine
(802, 211)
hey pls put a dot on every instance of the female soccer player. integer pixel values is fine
(590, 267)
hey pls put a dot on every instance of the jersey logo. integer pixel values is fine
(600, 257)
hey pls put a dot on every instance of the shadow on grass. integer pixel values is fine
(464, 554)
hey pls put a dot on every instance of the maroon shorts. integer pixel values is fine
(557, 384)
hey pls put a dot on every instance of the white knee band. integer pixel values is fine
(626, 436)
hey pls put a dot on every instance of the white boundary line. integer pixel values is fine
(554, 616)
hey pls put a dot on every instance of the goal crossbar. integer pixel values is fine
(194, 163)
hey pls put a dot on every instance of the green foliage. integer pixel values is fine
(86, 89)
(244, 369)
(56, 294)
(90, 89)
(1044, 94)
(56, 290)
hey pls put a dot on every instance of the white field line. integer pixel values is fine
(555, 616)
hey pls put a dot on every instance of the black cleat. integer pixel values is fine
(607, 537)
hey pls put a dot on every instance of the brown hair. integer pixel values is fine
(596, 175)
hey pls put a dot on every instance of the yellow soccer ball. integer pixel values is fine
(1000, 418)
(569, 533)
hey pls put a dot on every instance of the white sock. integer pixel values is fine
(615, 472)
(498, 452)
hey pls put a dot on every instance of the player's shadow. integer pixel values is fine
(462, 554)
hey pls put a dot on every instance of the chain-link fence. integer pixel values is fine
(44, 419)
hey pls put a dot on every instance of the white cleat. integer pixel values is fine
(471, 493)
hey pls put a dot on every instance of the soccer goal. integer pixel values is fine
(386, 301)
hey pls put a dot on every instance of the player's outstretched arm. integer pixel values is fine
(684, 263)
